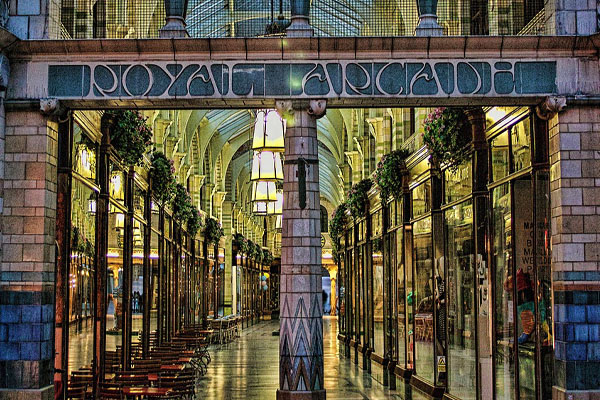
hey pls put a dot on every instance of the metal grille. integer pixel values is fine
(250, 18)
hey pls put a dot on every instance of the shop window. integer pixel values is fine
(139, 201)
(500, 156)
(84, 154)
(421, 199)
(116, 184)
(461, 301)
(458, 183)
(324, 220)
(424, 299)
(401, 298)
(520, 135)
(376, 225)
(377, 298)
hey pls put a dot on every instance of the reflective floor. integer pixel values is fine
(249, 368)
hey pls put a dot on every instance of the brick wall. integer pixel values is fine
(34, 19)
(575, 200)
(28, 254)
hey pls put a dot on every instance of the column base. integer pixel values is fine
(301, 395)
(46, 393)
(174, 28)
(428, 26)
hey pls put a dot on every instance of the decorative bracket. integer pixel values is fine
(52, 107)
(286, 108)
(550, 106)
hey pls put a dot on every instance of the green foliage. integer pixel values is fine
(241, 243)
(213, 232)
(182, 204)
(130, 136)
(336, 229)
(194, 222)
(389, 172)
(358, 198)
(267, 257)
(447, 136)
(80, 244)
(162, 174)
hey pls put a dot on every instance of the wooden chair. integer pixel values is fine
(110, 390)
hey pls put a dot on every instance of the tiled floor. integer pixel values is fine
(248, 368)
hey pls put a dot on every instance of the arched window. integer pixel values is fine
(324, 221)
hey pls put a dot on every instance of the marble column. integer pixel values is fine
(301, 333)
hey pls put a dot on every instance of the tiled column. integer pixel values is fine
(575, 202)
(301, 335)
(28, 257)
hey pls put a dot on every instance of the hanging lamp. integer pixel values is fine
(269, 129)
(266, 166)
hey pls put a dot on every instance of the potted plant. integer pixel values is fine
(388, 175)
(194, 222)
(162, 176)
(336, 229)
(358, 198)
(213, 231)
(447, 136)
(130, 136)
(267, 257)
(182, 203)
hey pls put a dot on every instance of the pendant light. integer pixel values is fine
(269, 129)
(266, 166)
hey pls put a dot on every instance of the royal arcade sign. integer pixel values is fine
(323, 79)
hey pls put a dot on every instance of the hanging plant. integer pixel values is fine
(130, 136)
(240, 242)
(162, 174)
(182, 203)
(389, 172)
(213, 231)
(267, 257)
(447, 136)
(194, 222)
(336, 229)
(377, 245)
(358, 198)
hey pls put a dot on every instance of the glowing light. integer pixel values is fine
(119, 220)
(263, 191)
(269, 129)
(496, 114)
(266, 165)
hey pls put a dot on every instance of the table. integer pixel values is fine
(135, 391)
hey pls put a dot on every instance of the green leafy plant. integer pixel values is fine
(336, 229)
(194, 222)
(162, 174)
(213, 232)
(130, 136)
(267, 257)
(447, 136)
(182, 203)
(358, 198)
(240, 242)
(389, 172)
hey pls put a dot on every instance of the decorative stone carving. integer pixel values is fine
(286, 108)
(52, 107)
(4, 72)
(317, 108)
(551, 106)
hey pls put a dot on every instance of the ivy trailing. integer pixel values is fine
(389, 172)
(447, 136)
(336, 229)
(358, 198)
(162, 174)
(213, 232)
(240, 242)
(182, 204)
(130, 136)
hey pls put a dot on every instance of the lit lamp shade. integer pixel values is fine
(266, 166)
(276, 207)
(260, 207)
(263, 191)
(269, 129)
(278, 222)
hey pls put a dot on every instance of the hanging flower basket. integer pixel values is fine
(336, 229)
(130, 136)
(194, 222)
(162, 174)
(267, 257)
(213, 231)
(388, 175)
(240, 242)
(358, 198)
(182, 203)
(447, 135)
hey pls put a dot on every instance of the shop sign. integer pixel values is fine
(317, 79)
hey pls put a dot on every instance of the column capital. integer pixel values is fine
(551, 106)
(316, 108)
(52, 107)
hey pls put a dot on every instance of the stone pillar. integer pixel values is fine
(428, 25)
(575, 201)
(300, 26)
(28, 256)
(572, 17)
(176, 11)
(301, 334)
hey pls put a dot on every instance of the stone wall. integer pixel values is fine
(575, 201)
(34, 19)
(572, 17)
(28, 255)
